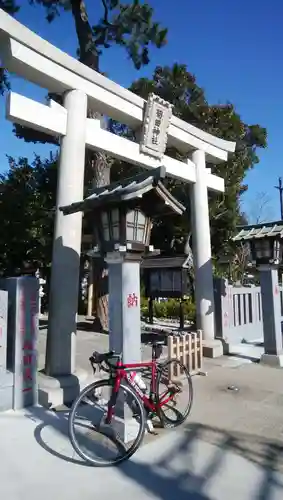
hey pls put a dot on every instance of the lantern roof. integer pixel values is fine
(257, 231)
(130, 189)
(161, 261)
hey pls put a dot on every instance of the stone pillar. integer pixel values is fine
(22, 336)
(271, 316)
(204, 293)
(125, 323)
(63, 302)
(3, 328)
(124, 305)
(6, 375)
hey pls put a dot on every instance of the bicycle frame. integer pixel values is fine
(122, 372)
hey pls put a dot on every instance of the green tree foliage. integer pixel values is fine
(129, 25)
(10, 6)
(99, 25)
(27, 200)
(177, 85)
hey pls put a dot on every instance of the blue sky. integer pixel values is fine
(233, 48)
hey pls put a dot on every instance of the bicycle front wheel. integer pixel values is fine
(102, 444)
(174, 393)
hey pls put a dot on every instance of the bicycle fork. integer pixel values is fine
(112, 401)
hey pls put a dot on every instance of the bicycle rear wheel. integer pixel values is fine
(101, 444)
(174, 393)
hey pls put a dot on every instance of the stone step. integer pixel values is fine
(6, 390)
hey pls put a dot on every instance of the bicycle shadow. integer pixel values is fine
(61, 448)
(59, 444)
(58, 421)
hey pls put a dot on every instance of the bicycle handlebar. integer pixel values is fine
(100, 358)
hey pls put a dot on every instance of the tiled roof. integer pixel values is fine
(264, 230)
(127, 189)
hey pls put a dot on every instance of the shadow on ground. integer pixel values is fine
(58, 422)
(83, 325)
(182, 471)
(43, 323)
(174, 474)
(87, 325)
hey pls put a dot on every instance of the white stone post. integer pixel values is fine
(60, 353)
(124, 305)
(125, 322)
(42, 282)
(271, 316)
(204, 293)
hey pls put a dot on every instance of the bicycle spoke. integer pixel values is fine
(97, 441)
(174, 393)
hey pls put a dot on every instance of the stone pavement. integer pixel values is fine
(87, 342)
(230, 448)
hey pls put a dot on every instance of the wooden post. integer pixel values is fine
(90, 290)
(181, 314)
(150, 310)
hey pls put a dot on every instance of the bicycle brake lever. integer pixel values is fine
(91, 360)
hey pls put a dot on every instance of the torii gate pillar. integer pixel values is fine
(204, 292)
(60, 366)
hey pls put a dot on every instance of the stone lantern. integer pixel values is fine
(121, 214)
(265, 242)
(122, 226)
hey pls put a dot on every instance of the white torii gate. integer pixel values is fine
(29, 56)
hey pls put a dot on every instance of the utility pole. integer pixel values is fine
(280, 189)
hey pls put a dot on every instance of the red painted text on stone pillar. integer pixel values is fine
(132, 300)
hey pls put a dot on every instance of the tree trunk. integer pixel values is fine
(97, 164)
(100, 169)
(88, 53)
(191, 272)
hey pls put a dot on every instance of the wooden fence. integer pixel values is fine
(188, 349)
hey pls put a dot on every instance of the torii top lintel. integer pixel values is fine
(35, 59)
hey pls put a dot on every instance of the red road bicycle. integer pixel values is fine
(121, 418)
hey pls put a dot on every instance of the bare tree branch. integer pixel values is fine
(106, 14)
(260, 209)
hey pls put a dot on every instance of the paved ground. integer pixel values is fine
(230, 448)
(195, 463)
(87, 342)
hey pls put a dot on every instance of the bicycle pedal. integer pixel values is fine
(150, 428)
(175, 383)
